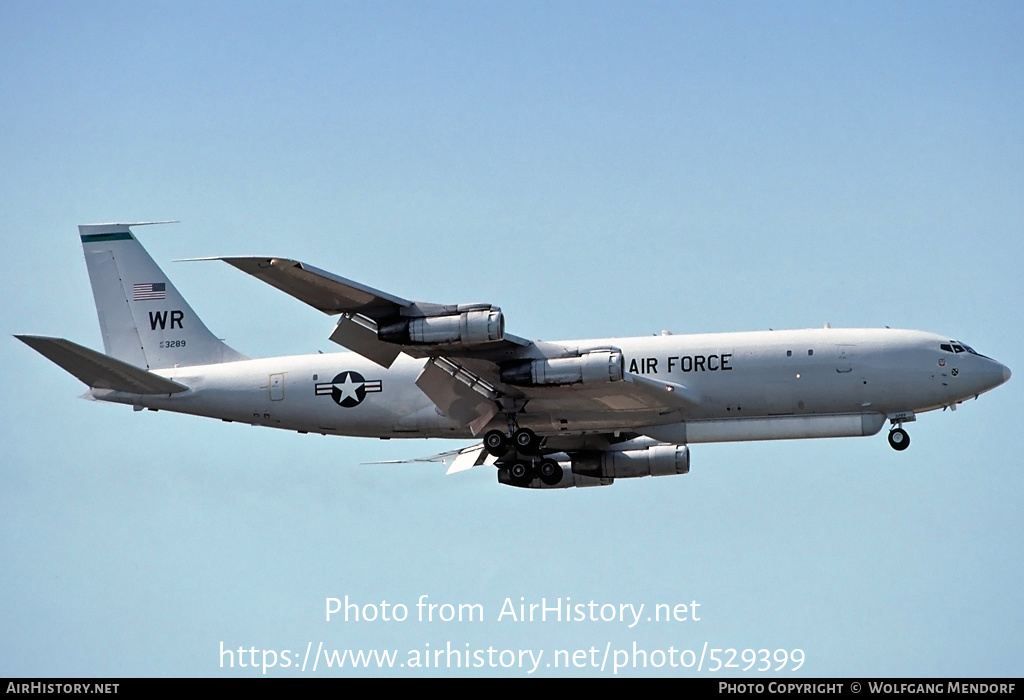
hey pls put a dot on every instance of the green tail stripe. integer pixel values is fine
(98, 237)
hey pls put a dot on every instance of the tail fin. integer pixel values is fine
(144, 320)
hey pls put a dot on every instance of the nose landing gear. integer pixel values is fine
(899, 440)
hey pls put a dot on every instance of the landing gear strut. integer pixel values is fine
(899, 440)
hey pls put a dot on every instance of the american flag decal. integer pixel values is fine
(149, 291)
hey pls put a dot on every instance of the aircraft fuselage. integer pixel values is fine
(753, 385)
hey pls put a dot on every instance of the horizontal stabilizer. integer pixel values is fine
(100, 371)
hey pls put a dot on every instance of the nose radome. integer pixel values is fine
(1006, 374)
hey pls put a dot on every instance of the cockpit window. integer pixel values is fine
(955, 346)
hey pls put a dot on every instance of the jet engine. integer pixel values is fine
(598, 367)
(469, 327)
(656, 460)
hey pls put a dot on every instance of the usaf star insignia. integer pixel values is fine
(348, 389)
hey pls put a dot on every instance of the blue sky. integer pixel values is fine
(596, 169)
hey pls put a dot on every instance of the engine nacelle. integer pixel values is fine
(470, 327)
(598, 367)
(657, 460)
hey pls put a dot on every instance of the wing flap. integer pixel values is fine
(458, 393)
(470, 457)
(100, 371)
(359, 334)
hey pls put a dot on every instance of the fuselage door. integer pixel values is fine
(844, 358)
(276, 387)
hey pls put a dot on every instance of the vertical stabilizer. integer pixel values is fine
(144, 320)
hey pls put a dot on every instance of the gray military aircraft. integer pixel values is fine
(548, 414)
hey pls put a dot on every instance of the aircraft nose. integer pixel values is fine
(998, 375)
(992, 374)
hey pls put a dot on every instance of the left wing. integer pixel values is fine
(474, 368)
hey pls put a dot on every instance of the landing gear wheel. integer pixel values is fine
(550, 472)
(526, 441)
(496, 442)
(898, 439)
(520, 472)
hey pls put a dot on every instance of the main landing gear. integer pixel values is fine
(521, 447)
(523, 472)
(524, 440)
(899, 440)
